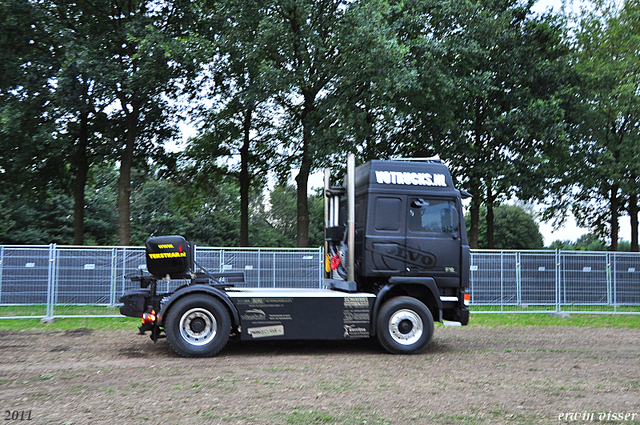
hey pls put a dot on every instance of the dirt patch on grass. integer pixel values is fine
(522, 375)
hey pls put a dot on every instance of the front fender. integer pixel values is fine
(428, 283)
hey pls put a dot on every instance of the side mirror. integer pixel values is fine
(455, 222)
(455, 219)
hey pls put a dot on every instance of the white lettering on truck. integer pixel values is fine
(414, 179)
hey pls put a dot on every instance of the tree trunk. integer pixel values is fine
(490, 218)
(474, 181)
(245, 181)
(614, 201)
(124, 181)
(302, 204)
(474, 213)
(82, 164)
(633, 213)
(302, 179)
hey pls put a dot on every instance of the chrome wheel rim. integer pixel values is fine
(198, 326)
(405, 327)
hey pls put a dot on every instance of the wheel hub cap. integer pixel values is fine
(198, 326)
(405, 327)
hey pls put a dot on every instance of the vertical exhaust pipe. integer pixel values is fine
(351, 217)
(327, 221)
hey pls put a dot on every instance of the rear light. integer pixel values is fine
(335, 262)
(149, 317)
(467, 299)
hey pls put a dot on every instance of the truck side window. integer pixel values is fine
(386, 217)
(433, 216)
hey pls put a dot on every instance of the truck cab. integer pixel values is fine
(408, 227)
(397, 259)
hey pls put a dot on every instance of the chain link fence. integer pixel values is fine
(59, 281)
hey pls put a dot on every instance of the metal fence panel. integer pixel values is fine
(538, 277)
(52, 281)
(24, 280)
(84, 277)
(626, 279)
(562, 281)
(494, 278)
(24, 276)
(584, 280)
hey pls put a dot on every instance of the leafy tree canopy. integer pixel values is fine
(515, 228)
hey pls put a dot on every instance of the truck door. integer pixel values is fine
(385, 242)
(433, 238)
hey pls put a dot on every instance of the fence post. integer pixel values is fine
(518, 279)
(558, 279)
(1, 267)
(472, 269)
(321, 276)
(114, 280)
(124, 268)
(608, 274)
(611, 299)
(259, 266)
(501, 280)
(51, 284)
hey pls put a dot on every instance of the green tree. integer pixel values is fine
(307, 51)
(36, 223)
(91, 75)
(606, 134)
(281, 217)
(141, 56)
(101, 218)
(368, 108)
(241, 122)
(586, 242)
(32, 166)
(515, 228)
(501, 70)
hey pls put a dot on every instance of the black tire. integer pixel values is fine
(197, 326)
(404, 326)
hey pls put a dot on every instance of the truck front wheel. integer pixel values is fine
(197, 326)
(404, 326)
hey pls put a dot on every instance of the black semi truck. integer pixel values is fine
(397, 258)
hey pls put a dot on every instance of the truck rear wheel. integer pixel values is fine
(404, 326)
(197, 326)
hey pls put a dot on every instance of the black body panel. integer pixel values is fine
(302, 314)
(135, 302)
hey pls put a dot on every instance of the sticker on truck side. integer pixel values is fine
(412, 179)
(266, 331)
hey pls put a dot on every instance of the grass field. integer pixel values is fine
(491, 320)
